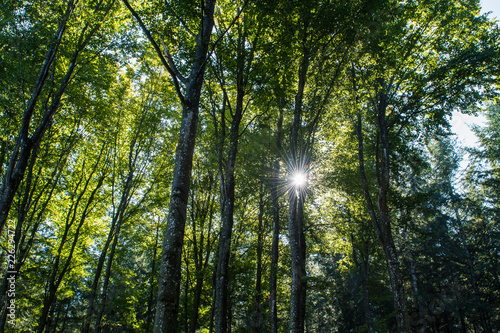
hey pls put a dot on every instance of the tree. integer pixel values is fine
(321, 50)
(170, 267)
(407, 84)
(36, 118)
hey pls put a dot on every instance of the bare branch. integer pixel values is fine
(181, 20)
(157, 49)
(171, 63)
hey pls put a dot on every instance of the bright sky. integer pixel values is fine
(491, 6)
(461, 122)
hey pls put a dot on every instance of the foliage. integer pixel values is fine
(90, 210)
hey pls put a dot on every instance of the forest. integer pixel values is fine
(248, 166)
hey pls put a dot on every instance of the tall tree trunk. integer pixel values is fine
(257, 320)
(149, 316)
(227, 211)
(298, 254)
(296, 210)
(276, 230)
(167, 306)
(364, 276)
(382, 224)
(227, 169)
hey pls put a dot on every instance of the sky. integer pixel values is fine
(460, 122)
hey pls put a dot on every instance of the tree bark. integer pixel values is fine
(382, 224)
(227, 212)
(257, 320)
(227, 168)
(298, 254)
(276, 231)
(364, 277)
(296, 209)
(171, 260)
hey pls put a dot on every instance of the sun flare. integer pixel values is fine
(299, 179)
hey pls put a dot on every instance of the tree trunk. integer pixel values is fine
(382, 224)
(227, 211)
(227, 177)
(298, 254)
(296, 211)
(276, 230)
(364, 277)
(149, 317)
(257, 320)
(171, 260)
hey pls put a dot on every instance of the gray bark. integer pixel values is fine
(227, 211)
(171, 260)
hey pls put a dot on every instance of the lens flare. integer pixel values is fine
(299, 179)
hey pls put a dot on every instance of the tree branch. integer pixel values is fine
(157, 49)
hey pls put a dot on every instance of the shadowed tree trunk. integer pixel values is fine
(296, 207)
(257, 320)
(276, 230)
(227, 166)
(381, 223)
(227, 212)
(364, 277)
